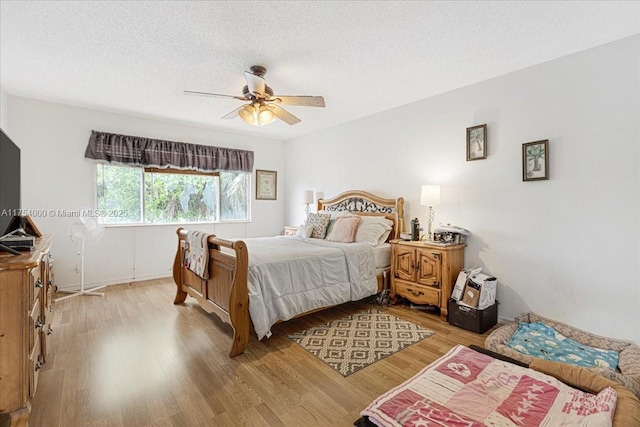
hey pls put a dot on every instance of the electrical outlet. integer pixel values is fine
(77, 269)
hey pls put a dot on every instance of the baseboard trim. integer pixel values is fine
(99, 285)
(502, 319)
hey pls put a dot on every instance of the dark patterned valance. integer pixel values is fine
(139, 151)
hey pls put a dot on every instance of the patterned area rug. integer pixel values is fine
(355, 342)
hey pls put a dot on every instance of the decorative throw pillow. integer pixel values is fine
(331, 221)
(319, 222)
(304, 231)
(343, 229)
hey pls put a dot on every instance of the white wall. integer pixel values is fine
(567, 248)
(3, 110)
(55, 175)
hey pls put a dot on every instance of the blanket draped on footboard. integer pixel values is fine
(467, 388)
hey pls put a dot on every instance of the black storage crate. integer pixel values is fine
(472, 319)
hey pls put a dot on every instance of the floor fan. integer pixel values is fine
(87, 229)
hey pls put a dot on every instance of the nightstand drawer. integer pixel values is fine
(418, 294)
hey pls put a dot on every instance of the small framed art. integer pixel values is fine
(535, 160)
(477, 142)
(266, 185)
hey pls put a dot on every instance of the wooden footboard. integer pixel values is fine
(225, 291)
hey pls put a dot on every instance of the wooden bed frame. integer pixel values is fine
(225, 292)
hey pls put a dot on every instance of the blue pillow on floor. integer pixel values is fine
(542, 341)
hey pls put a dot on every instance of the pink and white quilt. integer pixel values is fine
(467, 388)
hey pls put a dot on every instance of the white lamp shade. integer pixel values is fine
(430, 195)
(308, 197)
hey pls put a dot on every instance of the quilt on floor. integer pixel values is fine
(467, 388)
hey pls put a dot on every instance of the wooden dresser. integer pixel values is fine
(26, 296)
(425, 273)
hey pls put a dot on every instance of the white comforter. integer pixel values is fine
(292, 275)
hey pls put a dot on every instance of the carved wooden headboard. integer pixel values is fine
(363, 203)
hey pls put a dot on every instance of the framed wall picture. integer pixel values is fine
(266, 185)
(535, 160)
(477, 142)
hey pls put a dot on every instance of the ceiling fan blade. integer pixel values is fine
(214, 95)
(307, 101)
(255, 83)
(233, 114)
(284, 115)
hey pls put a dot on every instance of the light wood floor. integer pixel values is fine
(132, 358)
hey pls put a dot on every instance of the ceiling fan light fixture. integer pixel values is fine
(265, 115)
(248, 114)
(263, 107)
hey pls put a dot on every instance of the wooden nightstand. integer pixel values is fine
(425, 273)
(289, 230)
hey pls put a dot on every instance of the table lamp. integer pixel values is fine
(307, 200)
(430, 197)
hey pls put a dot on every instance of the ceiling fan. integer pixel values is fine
(263, 106)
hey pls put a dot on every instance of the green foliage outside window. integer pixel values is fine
(171, 197)
(118, 191)
(234, 196)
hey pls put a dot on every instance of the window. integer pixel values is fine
(133, 195)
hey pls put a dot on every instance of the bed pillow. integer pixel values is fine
(373, 229)
(304, 231)
(384, 237)
(343, 229)
(319, 222)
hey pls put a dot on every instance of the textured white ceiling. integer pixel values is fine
(137, 57)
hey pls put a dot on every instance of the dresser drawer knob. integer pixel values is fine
(38, 323)
(415, 293)
(50, 282)
(39, 283)
(50, 331)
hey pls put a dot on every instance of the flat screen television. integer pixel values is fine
(9, 181)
